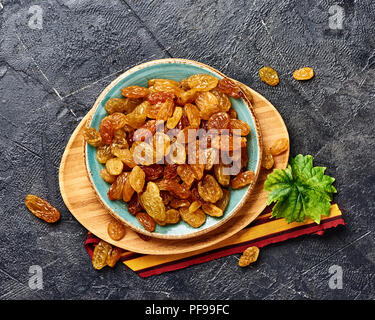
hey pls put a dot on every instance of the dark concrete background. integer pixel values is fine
(50, 77)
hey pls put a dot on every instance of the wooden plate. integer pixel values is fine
(81, 199)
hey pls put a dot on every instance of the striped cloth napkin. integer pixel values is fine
(262, 231)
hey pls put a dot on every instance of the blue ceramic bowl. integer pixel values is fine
(175, 69)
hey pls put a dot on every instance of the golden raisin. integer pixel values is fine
(193, 115)
(116, 230)
(209, 189)
(152, 202)
(113, 256)
(135, 92)
(202, 82)
(249, 256)
(303, 74)
(173, 121)
(224, 201)
(172, 216)
(114, 166)
(230, 88)
(212, 210)
(195, 219)
(195, 205)
(269, 76)
(243, 179)
(146, 221)
(137, 179)
(100, 254)
(279, 146)
(207, 104)
(106, 176)
(92, 136)
(42, 209)
(267, 161)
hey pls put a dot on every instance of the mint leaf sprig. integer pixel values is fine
(300, 191)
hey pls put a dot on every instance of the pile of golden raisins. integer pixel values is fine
(153, 162)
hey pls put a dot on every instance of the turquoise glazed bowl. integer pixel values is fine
(175, 69)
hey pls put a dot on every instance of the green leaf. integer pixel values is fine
(300, 191)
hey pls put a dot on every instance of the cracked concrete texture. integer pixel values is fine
(50, 77)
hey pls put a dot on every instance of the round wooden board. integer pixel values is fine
(81, 199)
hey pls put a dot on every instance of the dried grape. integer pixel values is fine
(184, 84)
(230, 88)
(127, 191)
(135, 92)
(166, 110)
(212, 210)
(117, 119)
(116, 230)
(106, 131)
(172, 216)
(223, 100)
(121, 105)
(42, 209)
(134, 205)
(178, 203)
(126, 157)
(198, 170)
(153, 109)
(146, 221)
(156, 97)
(186, 173)
(303, 74)
(138, 116)
(267, 161)
(116, 188)
(103, 153)
(202, 82)
(279, 146)
(209, 189)
(153, 172)
(195, 219)
(210, 158)
(152, 202)
(235, 125)
(165, 85)
(224, 201)
(243, 179)
(228, 143)
(207, 104)
(106, 176)
(219, 120)
(114, 166)
(179, 190)
(166, 196)
(177, 153)
(100, 254)
(137, 179)
(269, 76)
(187, 97)
(232, 113)
(223, 179)
(114, 256)
(249, 256)
(194, 206)
(92, 137)
(173, 121)
(170, 171)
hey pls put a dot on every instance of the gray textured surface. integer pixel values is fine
(50, 77)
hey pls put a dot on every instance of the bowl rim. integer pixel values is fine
(238, 206)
